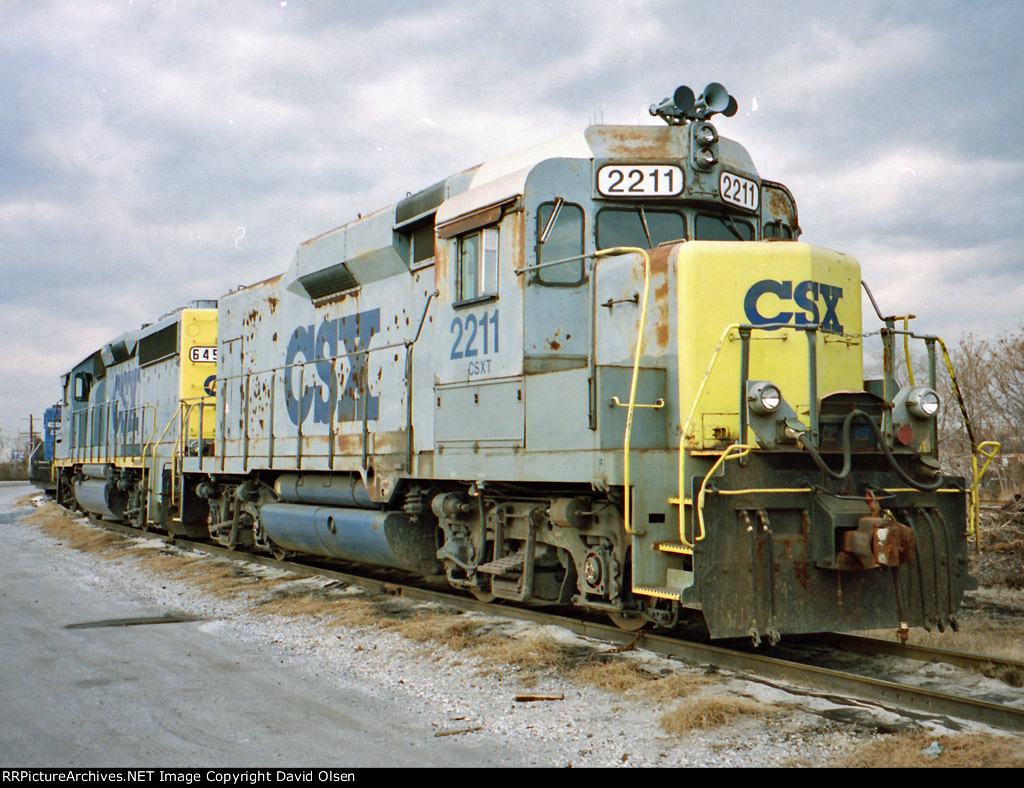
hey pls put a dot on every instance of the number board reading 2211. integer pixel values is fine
(631, 180)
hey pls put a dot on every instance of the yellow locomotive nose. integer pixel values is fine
(777, 288)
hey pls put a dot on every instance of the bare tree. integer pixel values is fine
(990, 378)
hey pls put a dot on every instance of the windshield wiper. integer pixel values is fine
(647, 231)
(734, 228)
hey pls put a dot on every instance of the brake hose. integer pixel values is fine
(848, 458)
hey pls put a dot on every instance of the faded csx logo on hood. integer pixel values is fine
(817, 300)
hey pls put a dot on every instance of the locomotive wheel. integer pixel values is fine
(630, 622)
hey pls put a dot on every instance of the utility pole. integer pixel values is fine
(26, 448)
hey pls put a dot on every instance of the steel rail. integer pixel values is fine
(892, 696)
(864, 644)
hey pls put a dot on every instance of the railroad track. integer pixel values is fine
(756, 665)
(874, 646)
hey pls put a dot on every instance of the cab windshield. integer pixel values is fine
(723, 228)
(646, 228)
(638, 227)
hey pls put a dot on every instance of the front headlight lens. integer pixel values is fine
(923, 403)
(706, 156)
(706, 134)
(764, 398)
(770, 398)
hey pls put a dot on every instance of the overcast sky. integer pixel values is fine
(157, 152)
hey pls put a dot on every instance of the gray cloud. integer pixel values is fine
(159, 152)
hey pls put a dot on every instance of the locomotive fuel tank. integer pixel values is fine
(100, 497)
(368, 536)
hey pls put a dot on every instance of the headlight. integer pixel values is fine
(764, 398)
(706, 134)
(706, 156)
(923, 403)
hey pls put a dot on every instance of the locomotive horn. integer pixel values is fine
(715, 98)
(675, 109)
(683, 99)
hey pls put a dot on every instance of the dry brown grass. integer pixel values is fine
(979, 633)
(984, 635)
(221, 579)
(333, 609)
(1001, 532)
(968, 751)
(532, 652)
(52, 521)
(215, 577)
(627, 677)
(454, 631)
(675, 686)
(709, 711)
(617, 676)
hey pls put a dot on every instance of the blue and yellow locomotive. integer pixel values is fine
(601, 372)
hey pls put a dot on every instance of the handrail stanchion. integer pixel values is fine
(812, 379)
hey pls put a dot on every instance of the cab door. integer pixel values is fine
(556, 320)
(479, 400)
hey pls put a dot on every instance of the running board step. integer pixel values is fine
(510, 564)
(674, 547)
(660, 592)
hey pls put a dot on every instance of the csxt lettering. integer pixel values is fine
(346, 338)
(817, 300)
(126, 386)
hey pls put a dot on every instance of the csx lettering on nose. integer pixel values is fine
(807, 295)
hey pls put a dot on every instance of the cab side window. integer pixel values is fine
(421, 245)
(83, 385)
(778, 230)
(560, 236)
(477, 272)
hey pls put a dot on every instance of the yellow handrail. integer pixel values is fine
(681, 500)
(733, 452)
(906, 346)
(628, 506)
(976, 476)
(976, 449)
(707, 375)
(184, 416)
(158, 440)
(154, 444)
